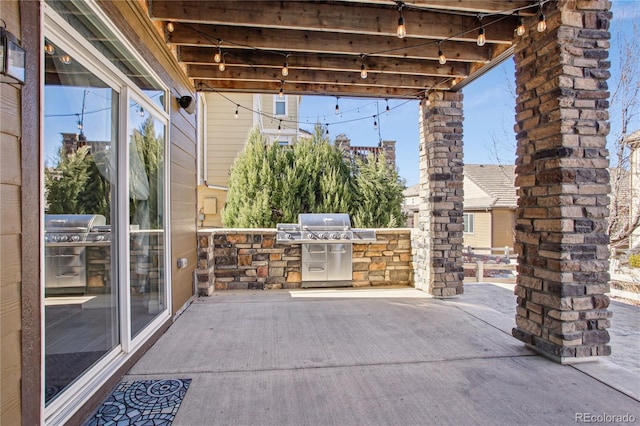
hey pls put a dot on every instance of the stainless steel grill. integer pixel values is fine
(66, 238)
(327, 247)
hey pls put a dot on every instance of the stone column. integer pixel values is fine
(438, 239)
(563, 180)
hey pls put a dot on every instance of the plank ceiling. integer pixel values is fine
(326, 43)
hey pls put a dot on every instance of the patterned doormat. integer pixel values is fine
(141, 403)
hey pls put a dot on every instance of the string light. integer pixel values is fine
(375, 123)
(65, 59)
(363, 69)
(222, 65)
(281, 93)
(236, 114)
(441, 58)
(482, 39)
(542, 23)
(218, 56)
(520, 30)
(337, 106)
(285, 67)
(388, 109)
(401, 32)
(141, 112)
(327, 126)
(170, 27)
(49, 48)
(280, 125)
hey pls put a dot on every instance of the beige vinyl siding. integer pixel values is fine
(226, 136)
(211, 220)
(10, 238)
(289, 124)
(503, 227)
(481, 236)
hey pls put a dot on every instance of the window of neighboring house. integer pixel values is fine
(468, 219)
(280, 105)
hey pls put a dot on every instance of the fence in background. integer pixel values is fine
(495, 264)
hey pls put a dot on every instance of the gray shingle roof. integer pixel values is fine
(496, 181)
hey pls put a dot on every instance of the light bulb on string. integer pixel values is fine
(542, 23)
(285, 67)
(281, 93)
(337, 105)
(280, 125)
(401, 31)
(482, 39)
(375, 123)
(217, 58)
(170, 27)
(222, 65)
(441, 58)
(236, 114)
(363, 69)
(520, 30)
(49, 49)
(141, 112)
(327, 127)
(387, 109)
(65, 59)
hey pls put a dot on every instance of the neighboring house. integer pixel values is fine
(228, 120)
(634, 184)
(386, 148)
(489, 205)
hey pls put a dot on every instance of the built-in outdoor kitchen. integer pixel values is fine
(321, 250)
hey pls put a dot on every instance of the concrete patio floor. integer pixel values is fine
(389, 356)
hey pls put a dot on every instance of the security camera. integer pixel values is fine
(187, 103)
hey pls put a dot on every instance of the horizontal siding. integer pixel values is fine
(503, 227)
(9, 159)
(11, 220)
(226, 136)
(11, 239)
(481, 236)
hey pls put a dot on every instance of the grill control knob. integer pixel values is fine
(99, 237)
(324, 236)
(75, 238)
(289, 237)
(335, 236)
(345, 236)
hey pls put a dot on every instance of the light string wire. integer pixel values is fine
(297, 123)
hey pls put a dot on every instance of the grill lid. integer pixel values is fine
(72, 222)
(324, 221)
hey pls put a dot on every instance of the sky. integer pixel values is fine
(488, 106)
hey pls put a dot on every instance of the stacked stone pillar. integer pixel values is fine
(438, 266)
(563, 179)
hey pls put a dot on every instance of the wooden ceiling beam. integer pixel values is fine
(283, 41)
(248, 58)
(338, 17)
(468, 6)
(209, 72)
(307, 89)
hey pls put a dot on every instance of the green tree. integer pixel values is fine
(377, 195)
(64, 182)
(146, 174)
(270, 184)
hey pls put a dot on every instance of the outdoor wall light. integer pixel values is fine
(12, 58)
(187, 103)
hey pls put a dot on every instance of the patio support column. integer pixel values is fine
(563, 179)
(438, 240)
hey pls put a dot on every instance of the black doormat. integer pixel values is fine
(141, 403)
